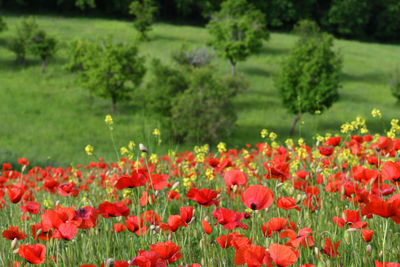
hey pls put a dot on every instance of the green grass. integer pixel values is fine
(49, 118)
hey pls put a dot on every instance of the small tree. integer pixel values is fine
(77, 49)
(196, 57)
(43, 46)
(112, 71)
(238, 30)
(144, 11)
(3, 24)
(25, 31)
(310, 77)
(394, 83)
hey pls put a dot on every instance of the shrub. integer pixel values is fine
(394, 83)
(196, 57)
(112, 71)
(3, 24)
(77, 49)
(310, 77)
(144, 11)
(25, 31)
(204, 111)
(43, 46)
(237, 30)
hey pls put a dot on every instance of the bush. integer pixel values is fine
(43, 46)
(3, 24)
(196, 57)
(112, 71)
(77, 51)
(394, 83)
(25, 31)
(310, 77)
(144, 11)
(204, 111)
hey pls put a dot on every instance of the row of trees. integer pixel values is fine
(379, 19)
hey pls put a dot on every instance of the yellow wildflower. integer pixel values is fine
(89, 150)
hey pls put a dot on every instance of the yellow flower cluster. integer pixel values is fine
(394, 129)
(264, 133)
(157, 134)
(221, 147)
(153, 158)
(210, 174)
(289, 142)
(109, 122)
(128, 151)
(376, 113)
(200, 152)
(358, 124)
(272, 136)
(89, 150)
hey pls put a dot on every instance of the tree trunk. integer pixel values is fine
(114, 103)
(43, 66)
(233, 63)
(294, 122)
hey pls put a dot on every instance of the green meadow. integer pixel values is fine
(49, 119)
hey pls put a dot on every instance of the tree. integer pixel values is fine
(310, 77)
(144, 11)
(112, 71)
(25, 31)
(238, 30)
(44, 46)
(3, 24)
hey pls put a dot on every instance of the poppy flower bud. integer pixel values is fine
(110, 262)
(157, 229)
(174, 186)
(38, 232)
(351, 230)
(169, 236)
(207, 218)
(316, 251)
(380, 253)
(143, 148)
(193, 218)
(368, 250)
(15, 251)
(152, 227)
(14, 243)
(57, 203)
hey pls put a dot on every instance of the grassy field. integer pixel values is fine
(49, 118)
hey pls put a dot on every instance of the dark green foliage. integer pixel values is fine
(306, 29)
(20, 43)
(394, 83)
(112, 70)
(310, 77)
(3, 24)
(238, 30)
(349, 17)
(144, 11)
(43, 45)
(204, 112)
(77, 50)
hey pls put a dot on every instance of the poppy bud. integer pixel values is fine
(174, 186)
(368, 250)
(380, 254)
(38, 232)
(156, 193)
(14, 243)
(351, 230)
(152, 227)
(279, 185)
(110, 262)
(143, 148)
(169, 236)
(57, 203)
(15, 251)
(193, 218)
(316, 252)
(206, 218)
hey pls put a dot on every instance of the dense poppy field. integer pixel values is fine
(336, 203)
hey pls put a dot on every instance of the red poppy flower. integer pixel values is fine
(135, 180)
(66, 231)
(235, 177)
(283, 255)
(287, 203)
(35, 254)
(174, 222)
(205, 197)
(253, 256)
(304, 237)
(168, 251)
(15, 193)
(23, 161)
(39, 233)
(158, 181)
(387, 264)
(108, 209)
(118, 264)
(68, 189)
(326, 150)
(150, 217)
(148, 259)
(31, 207)
(274, 225)
(257, 197)
(331, 250)
(367, 234)
(118, 227)
(391, 171)
(229, 219)
(186, 214)
(87, 217)
(226, 241)
(14, 233)
(132, 222)
(351, 218)
(333, 141)
(206, 227)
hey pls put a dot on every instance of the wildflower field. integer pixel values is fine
(333, 203)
